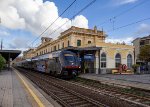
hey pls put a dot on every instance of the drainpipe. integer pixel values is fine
(99, 61)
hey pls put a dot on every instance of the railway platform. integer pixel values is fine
(17, 91)
(127, 81)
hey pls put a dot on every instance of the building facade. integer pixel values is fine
(138, 43)
(90, 46)
(28, 54)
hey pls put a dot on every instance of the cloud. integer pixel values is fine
(18, 43)
(143, 29)
(35, 16)
(123, 2)
(4, 33)
(11, 19)
(80, 21)
(127, 40)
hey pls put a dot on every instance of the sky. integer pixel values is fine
(22, 21)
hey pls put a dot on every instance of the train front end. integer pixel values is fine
(71, 64)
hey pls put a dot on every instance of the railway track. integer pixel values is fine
(141, 100)
(76, 95)
(64, 96)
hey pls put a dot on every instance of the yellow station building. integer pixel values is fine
(89, 44)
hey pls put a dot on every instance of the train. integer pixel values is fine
(59, 64)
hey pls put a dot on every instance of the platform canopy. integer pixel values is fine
(10, 54)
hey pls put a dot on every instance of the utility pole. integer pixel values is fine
(1, 39)
(1, 44)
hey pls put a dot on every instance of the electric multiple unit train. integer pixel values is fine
(58, 63)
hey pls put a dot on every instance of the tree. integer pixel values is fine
(145, 53)
(2, 62)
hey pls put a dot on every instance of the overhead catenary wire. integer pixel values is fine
(53, 22)
(74, 16)
(89, 4)
(121, 13)
(130, 24)
(123, 26)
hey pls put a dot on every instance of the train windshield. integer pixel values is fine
(69, 57)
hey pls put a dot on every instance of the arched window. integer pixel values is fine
(103, 60)
(129, 60)
(118, 59)
(89, 42)
(78, 42)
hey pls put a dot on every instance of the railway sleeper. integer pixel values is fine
(65, 97)
(70, 100)
(63, 93)
(78, 103)
(57, 91)
(87, 105)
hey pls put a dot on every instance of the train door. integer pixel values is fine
(57, 65)
(46, 66)
(51, 65)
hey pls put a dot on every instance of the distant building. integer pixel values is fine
(28, 54)
(90, 46)
(138, 43)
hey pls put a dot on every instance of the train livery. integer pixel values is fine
(58, 63)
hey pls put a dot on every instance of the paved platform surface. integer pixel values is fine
(13, 92)
(137, 81)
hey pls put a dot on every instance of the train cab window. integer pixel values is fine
(69, 58)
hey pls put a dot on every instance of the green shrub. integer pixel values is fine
(2, 62)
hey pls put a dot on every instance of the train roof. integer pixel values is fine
(49, 55)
